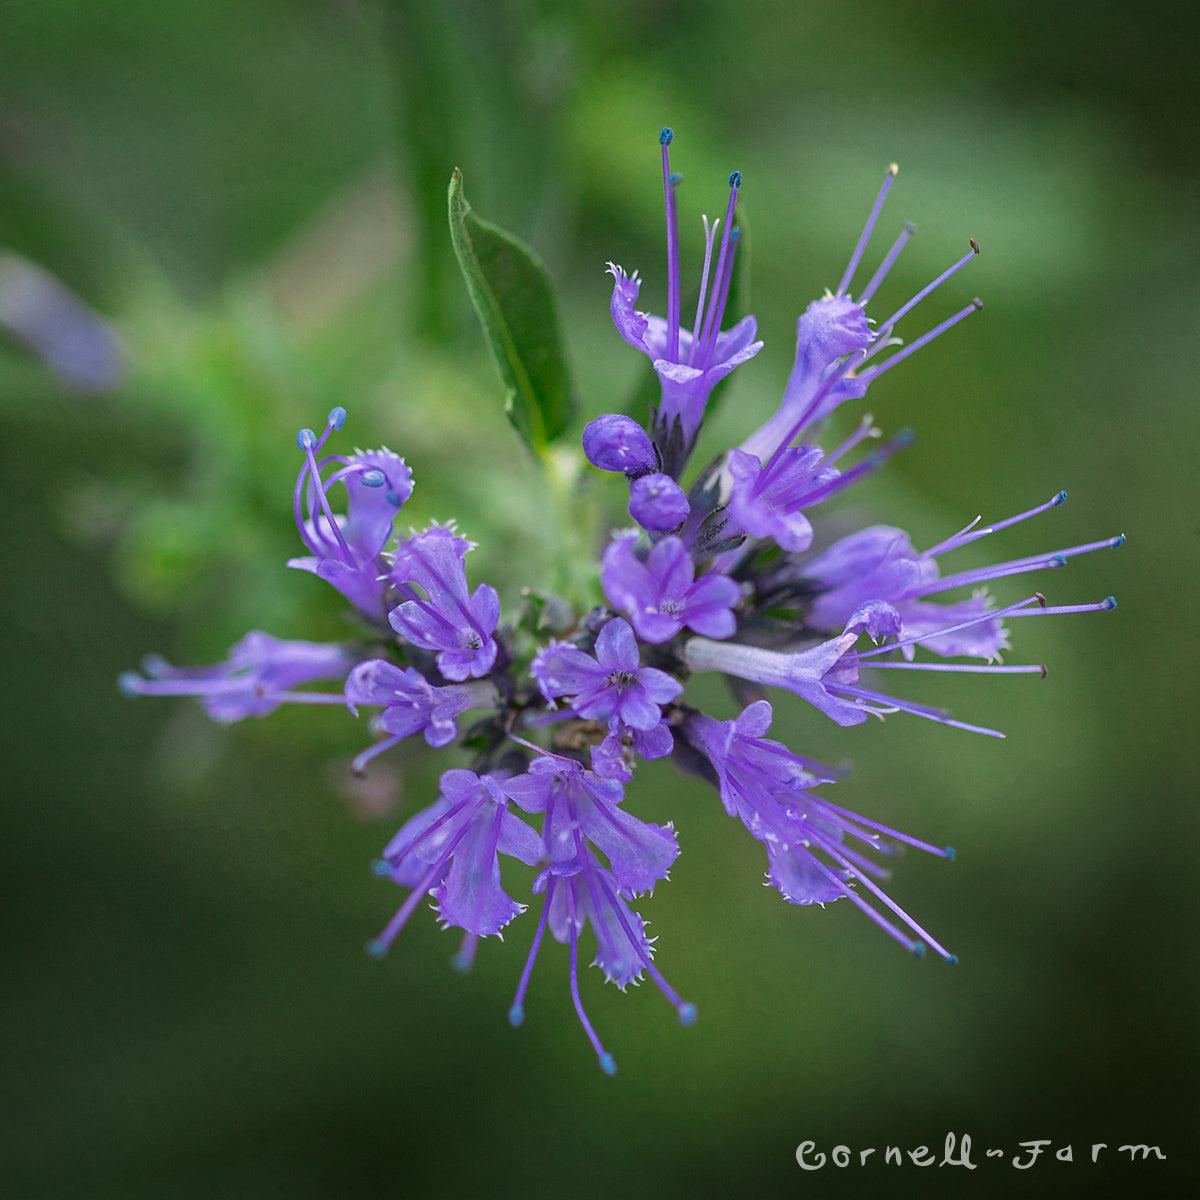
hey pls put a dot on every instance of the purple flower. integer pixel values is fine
(662, 595)
(345, 548)
(657, 503)
(770, 790)
(581, 817)
(835, 342)
(449, 851)
(613, 758)
(581, 807)
(767, 501)
(447, 619)
(613, 686)
(412, 704)
(880, 563)
(614, 442)
(259, 675)
(689, 364)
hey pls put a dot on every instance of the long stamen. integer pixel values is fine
(835, 851)
(888, 262)
(868, 229)
(720, 283)
(970, 534)
(710, 233)
(608, 1064)
(669, 183)
(885, 327)
(735, 238)
(924, 340)
(516, 1010)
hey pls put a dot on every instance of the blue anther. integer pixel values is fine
(516, 1015)
(905, 437)
(1109, 604)
(735, 234)
(1061, 498)
(381, 867)
(393, 499)
(130, 683)
(306, 439)
(1057, 560)
(735, 179)
(687, 1013)
(675, 179)
(608, 1064)
(951, 958)
(376, 948)
(372, 478)
(1119, 540)
(918, 949)
(667, 134)
(951, 853)
(337, 416)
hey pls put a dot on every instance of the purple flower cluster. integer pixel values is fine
(720, 574)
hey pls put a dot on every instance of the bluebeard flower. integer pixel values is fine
(662, 594)
(721, 578)
(611, 687)
(689, 363)
(769, 790)
(412, 704)
(447, 619)
(261, 673)
(346, 548)
(450, 852)
(614, 442)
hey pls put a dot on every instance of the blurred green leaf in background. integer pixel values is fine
(249, 200)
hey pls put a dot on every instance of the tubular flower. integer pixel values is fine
(735, 571)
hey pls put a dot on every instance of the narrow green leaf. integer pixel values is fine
(512, 295)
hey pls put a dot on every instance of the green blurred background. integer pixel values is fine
(253, 194)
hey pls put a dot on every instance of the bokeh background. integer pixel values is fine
(252, 195)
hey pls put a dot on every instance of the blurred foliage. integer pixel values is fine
(253, 196)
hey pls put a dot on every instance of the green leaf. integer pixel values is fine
(511, 294)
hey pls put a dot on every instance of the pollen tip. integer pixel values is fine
(1040, 599)
(676, 179)
(516, 1015)
(376, 948)
(667, 134)
(909, 228)
(735, 179)
(1057, 560)
(905, 437)
(373, 478)
(306, 439)
(608, 1064)
(918, 949)
(1045, 671)
(735, 234)
(976, 304)
(1061, 498)
(951, 853)
(130, 683)
(381, 867)
(462, 961)
(1119, 540)
(1109, 603)
(974, 245)
(687, 1013)
(950, 958)
(894, 170)
(337, 416)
